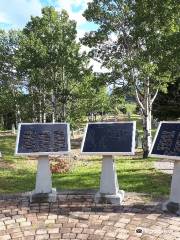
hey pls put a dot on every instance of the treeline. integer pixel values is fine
(44, 75)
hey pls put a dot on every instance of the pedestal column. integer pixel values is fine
(43, 188)
(173, 205)
(43, 176)
(109, 188)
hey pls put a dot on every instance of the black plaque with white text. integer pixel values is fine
(107, 138)
(42, 138)
(167, 141)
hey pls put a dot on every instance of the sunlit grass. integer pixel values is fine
(17, 174)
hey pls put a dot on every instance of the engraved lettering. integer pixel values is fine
(166, 141)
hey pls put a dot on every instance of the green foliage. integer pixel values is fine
(10, 81)
(131, 108)
(44, 76)
(132, 37)
(51, 60)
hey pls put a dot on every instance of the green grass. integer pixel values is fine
(17, 174)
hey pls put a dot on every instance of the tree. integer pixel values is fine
(10, 82)
(94, 98)
(131, 42)
(167, 105)
(51, 62)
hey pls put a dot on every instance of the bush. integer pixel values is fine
(59, 165)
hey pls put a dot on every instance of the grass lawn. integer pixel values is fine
(17, 174)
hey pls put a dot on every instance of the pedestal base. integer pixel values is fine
(44, 197)
(172, 207)
(173, 204)
(110, 199)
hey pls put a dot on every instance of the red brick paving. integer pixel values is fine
(76, 216)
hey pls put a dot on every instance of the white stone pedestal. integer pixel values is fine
(173, 204)
(109, 188)
(43, 189)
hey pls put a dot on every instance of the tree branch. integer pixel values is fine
(138, 99)
(154, 97)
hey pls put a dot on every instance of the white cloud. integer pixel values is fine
(68, 4)
(18, 12)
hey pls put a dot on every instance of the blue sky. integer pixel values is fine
(16, 13)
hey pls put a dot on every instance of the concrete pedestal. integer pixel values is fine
(109, 188)
(43, 190)
(173, 204)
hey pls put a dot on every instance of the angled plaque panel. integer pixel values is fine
(166, 143)
(43, 139)
(109, 138)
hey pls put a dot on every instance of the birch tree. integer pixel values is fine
(51, 59)
(131, 42)
(10, 82)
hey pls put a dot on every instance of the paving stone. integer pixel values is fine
(99, 232)
(65, 230)
(82, 236)
(29, 233)
(111, 234)
(5, 237)
(11, 221)
(77, 217)
(17, 235)
(69, 235)
(53, 230)
(42, 237)
(55, 236)
(20, 220)
(88, 230)
(50, 221)
(69, 225)
(2, 228)
(10, 226)
(25, 224)
(52, 216)
(41, 231)
(77, 230)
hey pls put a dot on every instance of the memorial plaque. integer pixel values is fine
(43, 139)
(117, 138)
(166, 143)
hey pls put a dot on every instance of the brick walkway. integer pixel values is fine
(76, 216)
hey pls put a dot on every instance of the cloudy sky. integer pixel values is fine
(16, 13)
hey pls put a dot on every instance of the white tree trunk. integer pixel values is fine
(53, 108)
(147, 138)
(145, 105)
(40, 111)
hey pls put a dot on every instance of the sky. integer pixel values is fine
(16, 13)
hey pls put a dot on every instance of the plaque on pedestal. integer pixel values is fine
(109, 139)
(166, 144)
(42, 140)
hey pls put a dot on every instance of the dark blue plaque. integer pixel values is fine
(43, 139)
(167, 141)
(109, 138)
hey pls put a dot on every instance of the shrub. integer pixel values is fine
(59, 165)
